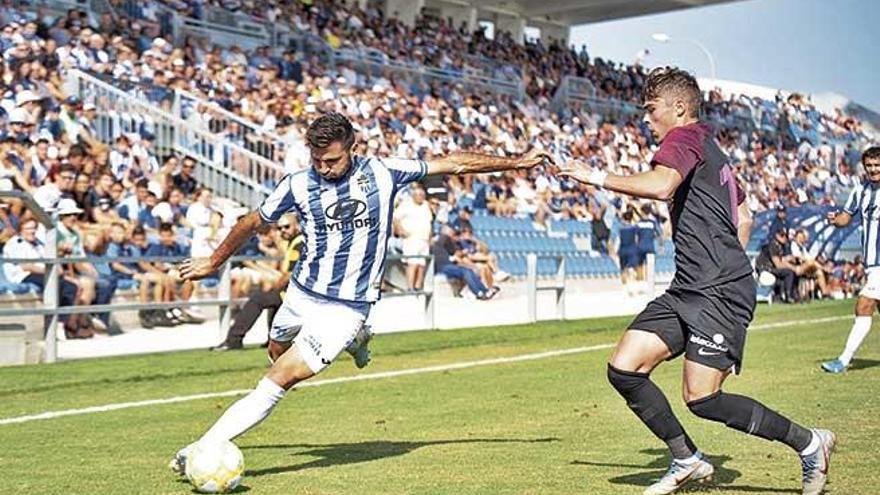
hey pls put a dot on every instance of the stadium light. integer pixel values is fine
(665, 38)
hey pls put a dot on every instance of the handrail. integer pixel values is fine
(42, 216)
(277, 149)
(233, 171)
(558, 286)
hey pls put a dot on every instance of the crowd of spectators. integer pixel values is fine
(123, 198)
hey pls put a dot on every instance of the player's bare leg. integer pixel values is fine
(704, 397)
(634, 358)
(864, 310)
(288, 369)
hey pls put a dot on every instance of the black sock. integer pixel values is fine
(650, 405)
(750, 416)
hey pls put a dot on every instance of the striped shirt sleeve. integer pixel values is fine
(404, 171)
(279, 201)
(852, 203)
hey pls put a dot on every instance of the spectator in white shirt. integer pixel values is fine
(204, 221)
(806, 257)
(413, 221)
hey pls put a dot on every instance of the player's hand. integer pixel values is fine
(536, 157)
(196, 268)
(831, 217)
(582, 172)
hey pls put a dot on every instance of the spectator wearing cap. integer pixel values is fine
(89, 118)
(92, 288)
(18, 120)
(780, 221)
(75, 125)
(60, 185)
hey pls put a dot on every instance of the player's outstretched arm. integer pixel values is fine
(744, 227)
(476, 163)
(659, 183)
(199, 268)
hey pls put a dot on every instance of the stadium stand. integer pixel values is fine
(129, 123)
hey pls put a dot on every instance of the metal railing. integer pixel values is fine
(263, 142)
(577, 93)
(52, 272)
(229, 169)
(374, 64)
(223, 300)
(533, 287)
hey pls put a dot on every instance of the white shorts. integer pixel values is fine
(415, 247)
(871, 290)
(320, 328)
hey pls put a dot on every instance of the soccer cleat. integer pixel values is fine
(680, 474)
(177, 464)
(814, 466)
(359, 348)
(835, 366)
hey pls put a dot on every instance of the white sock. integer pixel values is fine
(248, 412)
(812, 446)
(857, 335)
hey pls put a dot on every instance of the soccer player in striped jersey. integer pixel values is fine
(345, 204)
(864, 200)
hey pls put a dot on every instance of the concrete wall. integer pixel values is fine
(405, 10)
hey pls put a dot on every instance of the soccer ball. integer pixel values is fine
(214, 467)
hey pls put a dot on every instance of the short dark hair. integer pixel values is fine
(328, 128)
(138, 230)
(166, 227)
(666, 82)
(872, 153)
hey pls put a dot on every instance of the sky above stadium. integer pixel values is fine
(813, 46)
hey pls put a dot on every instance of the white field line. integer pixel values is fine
(371, 376)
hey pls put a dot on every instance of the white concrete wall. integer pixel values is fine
(406, 10)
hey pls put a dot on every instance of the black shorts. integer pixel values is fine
(707, 326)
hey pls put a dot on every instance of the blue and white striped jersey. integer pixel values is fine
(346, 224)
(864, 200)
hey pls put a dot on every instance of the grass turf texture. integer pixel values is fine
(547, 426)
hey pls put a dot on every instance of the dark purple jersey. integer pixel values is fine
(703, 210)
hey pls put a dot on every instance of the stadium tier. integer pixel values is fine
(133, 124)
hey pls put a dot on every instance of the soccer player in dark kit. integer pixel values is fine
(708, 307)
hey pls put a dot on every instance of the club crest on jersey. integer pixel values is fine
(364, 184)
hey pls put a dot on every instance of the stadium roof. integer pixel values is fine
(573, 12)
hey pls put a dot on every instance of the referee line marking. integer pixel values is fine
(371, 376)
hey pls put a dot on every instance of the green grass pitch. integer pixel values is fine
(549, 425)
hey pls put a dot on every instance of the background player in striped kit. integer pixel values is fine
(864, 200)
(345, 205)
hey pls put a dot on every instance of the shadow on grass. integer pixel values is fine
(651, 472)
(335, 454)
(238, 489)
(861, 364)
